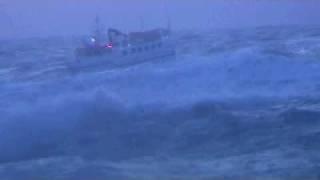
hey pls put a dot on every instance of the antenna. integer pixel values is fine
(142, 24)
(212, 19)
(169, 23)
(6, 19)
(167, 15)
(97, 24)
(98, 29)
(97, 20)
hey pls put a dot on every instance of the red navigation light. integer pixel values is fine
(109, 45)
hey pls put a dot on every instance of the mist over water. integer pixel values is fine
(36, 18)
(237, 101)
(224, 107)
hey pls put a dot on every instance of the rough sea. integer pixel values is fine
(233, 104)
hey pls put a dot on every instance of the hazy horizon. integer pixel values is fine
(198, 103)
(39, 18)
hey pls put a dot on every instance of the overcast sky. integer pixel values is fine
(65, 17)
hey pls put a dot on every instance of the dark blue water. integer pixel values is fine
(236, 103)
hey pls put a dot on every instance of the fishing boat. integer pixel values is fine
(113, 48)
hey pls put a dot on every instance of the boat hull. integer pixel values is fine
(118, 59)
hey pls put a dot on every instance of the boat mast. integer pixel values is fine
(6, 20)
(169, 23)
(98, 33)
(142, 24)
(97, 27)
(212, 19)
(165, 6)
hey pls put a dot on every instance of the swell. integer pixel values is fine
(235, 94)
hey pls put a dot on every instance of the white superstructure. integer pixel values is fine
(115, 48)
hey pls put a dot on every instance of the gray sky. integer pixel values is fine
(65, 17)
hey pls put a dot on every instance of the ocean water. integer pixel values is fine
(232, 104)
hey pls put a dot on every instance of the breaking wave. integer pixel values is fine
(232, 103)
